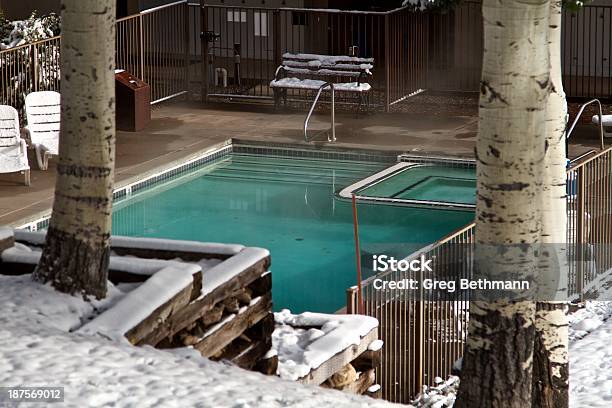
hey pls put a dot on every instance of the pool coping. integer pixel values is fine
(407, 161)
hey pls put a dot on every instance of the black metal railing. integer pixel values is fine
(456, 44)
(250, 42)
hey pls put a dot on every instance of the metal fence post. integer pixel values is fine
(421, 337)
(277, 38)
(141, 46)
(580, 228)
(35, 67)
(204, 50)
(187, 51)
(387, 64)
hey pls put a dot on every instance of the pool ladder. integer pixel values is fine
(330, 137)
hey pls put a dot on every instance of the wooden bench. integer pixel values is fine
(314, 72)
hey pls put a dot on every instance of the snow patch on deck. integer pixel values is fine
(301, 346)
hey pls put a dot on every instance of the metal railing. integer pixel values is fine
(456, 44)
(589, 213)
(252, 41)
(587, 51)
(331, 137)
(148, 45)
(29, 68)
(424, 336)
(154, 46)
(599, 115)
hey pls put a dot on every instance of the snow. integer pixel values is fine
(589, 318)
(34, 238)
(328, 59)
(231, 267)
(137, 266)
(20, 295)
(30, 30)
(137, 305)
(5, 233)
(322, 72)
(301, 347)
(314, 84)
(177, 246)
(376, 345)
(38, 238)
(131, 264)
(605, 119)
(319, 64)
(37, 350)
(419, 4)
(443, 394)
(591, 363)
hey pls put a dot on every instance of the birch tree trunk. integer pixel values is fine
(76, 254)
(497, 364)
(550, 369)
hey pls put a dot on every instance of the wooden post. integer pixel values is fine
(351, 300)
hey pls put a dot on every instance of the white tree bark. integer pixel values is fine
(551, 347)
(497, 365)
(75, 258)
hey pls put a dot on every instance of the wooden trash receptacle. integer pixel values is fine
(133, 98)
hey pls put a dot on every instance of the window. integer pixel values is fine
(298, 18)
(261, 24)
(234, 16)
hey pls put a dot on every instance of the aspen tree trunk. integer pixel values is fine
(497, 364)
(550, 367)
(76, 254)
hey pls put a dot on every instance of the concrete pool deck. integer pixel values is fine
(181, 129)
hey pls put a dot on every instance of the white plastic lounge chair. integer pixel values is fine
(607, 124)
(43, 113)
(13, 149)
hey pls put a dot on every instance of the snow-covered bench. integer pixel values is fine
(606, 120)
(312, 72)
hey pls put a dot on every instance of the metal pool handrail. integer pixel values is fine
(333, 112)
(601, 131)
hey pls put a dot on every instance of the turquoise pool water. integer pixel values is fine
(428, 183)
(288, 206)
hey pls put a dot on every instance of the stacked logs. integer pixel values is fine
(237, 328)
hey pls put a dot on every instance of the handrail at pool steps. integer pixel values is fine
(414, 328)
(331, 138)
(577, 118)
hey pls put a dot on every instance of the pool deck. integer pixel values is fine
(180, 130)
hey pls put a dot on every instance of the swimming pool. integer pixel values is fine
(289, 206)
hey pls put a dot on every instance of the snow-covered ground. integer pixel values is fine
(591, 356)
(590, 363)
(37, 350)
